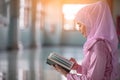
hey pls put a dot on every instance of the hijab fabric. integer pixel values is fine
(99, 25)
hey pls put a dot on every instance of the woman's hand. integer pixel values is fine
(76, 65)
(61, 70)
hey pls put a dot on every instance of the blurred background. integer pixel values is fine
(31, 29)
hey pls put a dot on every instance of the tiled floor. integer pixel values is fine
(30, 64)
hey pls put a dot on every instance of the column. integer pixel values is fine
(13, 25)
(33, 26)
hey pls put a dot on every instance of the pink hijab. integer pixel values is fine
(99, 25)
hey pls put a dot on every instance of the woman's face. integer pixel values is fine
(81, 27)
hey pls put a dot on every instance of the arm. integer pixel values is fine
(96, 68)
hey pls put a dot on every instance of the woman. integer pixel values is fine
(100, 50)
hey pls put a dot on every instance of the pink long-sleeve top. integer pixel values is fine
(97, 64)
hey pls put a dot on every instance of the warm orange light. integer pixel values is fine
(69, 11)
(77, 27)
(39, 7)
(21, 17)
(69, 17)
(68, 27)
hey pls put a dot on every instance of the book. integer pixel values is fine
(55, 58)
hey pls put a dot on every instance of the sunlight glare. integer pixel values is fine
(21, 17)
(77, 27)
(69, 11)
(67, 27)
(39, 7)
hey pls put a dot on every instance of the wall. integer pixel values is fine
(72, 38)
(53, 33)
(3, 37)
(52, 28)
(24, 37)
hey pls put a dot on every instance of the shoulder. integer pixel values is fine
(100, 48)
(100, 44)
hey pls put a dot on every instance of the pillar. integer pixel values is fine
(12, 39)
(13, 25)
(33, 26)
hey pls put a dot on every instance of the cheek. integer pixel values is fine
(83, 29)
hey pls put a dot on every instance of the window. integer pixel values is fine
(39, 15)
(25, 9)
(69, 12)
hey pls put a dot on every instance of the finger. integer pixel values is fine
(58, 67)
(72, 59)
(53, 66)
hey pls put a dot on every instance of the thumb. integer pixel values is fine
(72, 59)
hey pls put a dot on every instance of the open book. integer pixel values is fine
(54, 58)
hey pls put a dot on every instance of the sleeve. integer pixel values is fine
(96, 68)
(79, 69)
